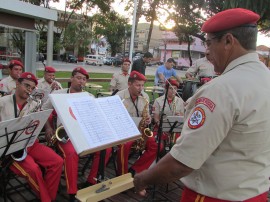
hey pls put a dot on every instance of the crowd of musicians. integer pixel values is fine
(17, 101)
(42, 164)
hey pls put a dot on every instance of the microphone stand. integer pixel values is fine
(159, 133)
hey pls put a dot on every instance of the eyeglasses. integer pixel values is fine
(207, 42)
(28, 87)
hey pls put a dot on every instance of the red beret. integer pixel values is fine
(50, 69)
(229, 19)
(173, 82)
(82, 71)
(137, 76)
(29, 76)
(12, 63)
(126, 60)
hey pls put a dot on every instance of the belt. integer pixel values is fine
(191, 196)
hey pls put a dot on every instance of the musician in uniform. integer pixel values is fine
(174, 106)
(120, 79)
(223, 152)
(48, 82)
(38, 155)
(202, 67)
(71, 159)
(135, 101)
(8, 84)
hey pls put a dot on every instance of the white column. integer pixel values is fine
(50, 43)
(132, 33)
(30, 52)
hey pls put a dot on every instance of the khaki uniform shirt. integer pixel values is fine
(7, 111)
(175, 107)
(226, 135)
(140, 102)
(202, 68)
(119, 81)
(43, 84)
(8, 85)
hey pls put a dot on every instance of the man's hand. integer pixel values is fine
(147, 121)
(139, 185)
(49, 132)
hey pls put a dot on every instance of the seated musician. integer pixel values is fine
(38, 155)
(48, 81)
(202, 67)
(8, 84)
(174, 106)
(135, 101)
(120, 79)
(71, 159)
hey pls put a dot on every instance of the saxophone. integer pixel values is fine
(60, 135)
(139, 144)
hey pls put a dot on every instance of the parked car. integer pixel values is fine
(72, 59)
(93, 60)
(107, 60)
(117, 61)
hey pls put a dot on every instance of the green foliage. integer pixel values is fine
(112, 26)
(262, 7)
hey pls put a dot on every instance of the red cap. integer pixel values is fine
(82, 71)
(126, 60)
(50, 69)
(12, 63)
(173, 82)
(137, 76)
(229, 19)
(29, 76)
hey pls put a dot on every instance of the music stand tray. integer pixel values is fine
(173, 124)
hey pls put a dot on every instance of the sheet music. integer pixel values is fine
(22, 125)
(89, 117)
(118, 117)
(93, 124)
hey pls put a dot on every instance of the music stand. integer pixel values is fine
(16, 135)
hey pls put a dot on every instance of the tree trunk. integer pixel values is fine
(138, 14)
(189, 53)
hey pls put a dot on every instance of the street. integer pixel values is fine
(63, 66)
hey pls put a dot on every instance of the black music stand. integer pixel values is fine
(15, 135)
(173, 124)
(12, 138)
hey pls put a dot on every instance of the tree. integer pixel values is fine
(262, 7)
(189, 16)
(112, 26)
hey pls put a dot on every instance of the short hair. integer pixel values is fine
(148, 55)
(246, 35)
(131, 80)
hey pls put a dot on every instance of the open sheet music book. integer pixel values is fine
(93, 124)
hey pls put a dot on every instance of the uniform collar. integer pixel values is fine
(249, 57)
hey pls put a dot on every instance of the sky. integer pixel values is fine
(119, 7)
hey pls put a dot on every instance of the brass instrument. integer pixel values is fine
(38, 106)
(60, 135)
(139, 144)
(57, 86)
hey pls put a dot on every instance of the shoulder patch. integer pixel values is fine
(207, 102)
(197, 118)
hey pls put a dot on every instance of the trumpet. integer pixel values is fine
(54, 85)
(60, 135)
(39, 103)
